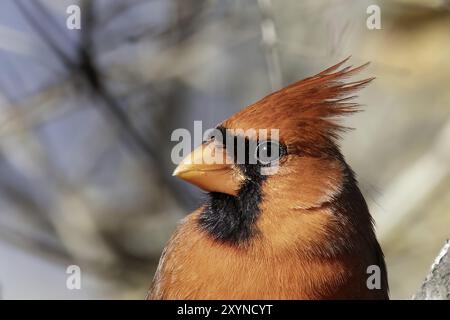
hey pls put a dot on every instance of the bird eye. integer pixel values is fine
(267, 152)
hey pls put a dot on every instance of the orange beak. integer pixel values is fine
(209, 168)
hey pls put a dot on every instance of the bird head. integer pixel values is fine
(275, 166)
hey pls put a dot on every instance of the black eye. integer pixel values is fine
(268, 152)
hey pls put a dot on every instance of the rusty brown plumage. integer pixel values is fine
(306, 112)
(311, 236)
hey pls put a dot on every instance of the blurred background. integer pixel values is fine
(86, 117)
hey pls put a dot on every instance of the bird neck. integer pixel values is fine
(339, 223)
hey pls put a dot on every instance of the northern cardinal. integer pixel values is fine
(303, 232)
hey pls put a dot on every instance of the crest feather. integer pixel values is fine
(306, 111)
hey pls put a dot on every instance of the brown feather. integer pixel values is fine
(306, 111)
(315, 236)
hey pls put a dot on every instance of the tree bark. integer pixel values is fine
(437, 284)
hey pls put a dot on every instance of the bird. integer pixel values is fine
(301, 229)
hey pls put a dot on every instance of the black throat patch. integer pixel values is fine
(233, 218)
